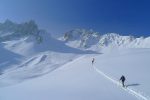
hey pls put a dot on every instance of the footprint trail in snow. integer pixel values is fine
(138, 94)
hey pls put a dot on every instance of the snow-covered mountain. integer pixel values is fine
(10, 30)
(28, 52)
(81, 38)
(62, 69)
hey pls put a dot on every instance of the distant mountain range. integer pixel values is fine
(81, 38)
(77, 38)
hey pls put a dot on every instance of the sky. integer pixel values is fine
(126, 17)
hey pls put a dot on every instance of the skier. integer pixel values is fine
(122, 79)
(93, 61)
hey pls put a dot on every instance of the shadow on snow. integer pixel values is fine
(136, 84)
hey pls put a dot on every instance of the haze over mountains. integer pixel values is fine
(79, 38)
(34, 65)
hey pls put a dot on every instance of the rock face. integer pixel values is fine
(10, 30)
(81, 38)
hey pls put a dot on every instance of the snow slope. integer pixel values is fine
(133, 63)
(79, 80)
(28, 52)
(26, 59)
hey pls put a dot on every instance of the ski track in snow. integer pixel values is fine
(73, 61)
(138, 94)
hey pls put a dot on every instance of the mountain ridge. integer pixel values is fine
(86, 39)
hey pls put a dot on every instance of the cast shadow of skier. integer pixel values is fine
(136, 84)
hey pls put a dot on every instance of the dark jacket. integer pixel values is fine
(122, 78)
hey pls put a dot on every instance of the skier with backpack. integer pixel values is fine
(93, 61)
(122, 79)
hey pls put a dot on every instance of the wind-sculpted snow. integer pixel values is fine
(33, 67)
